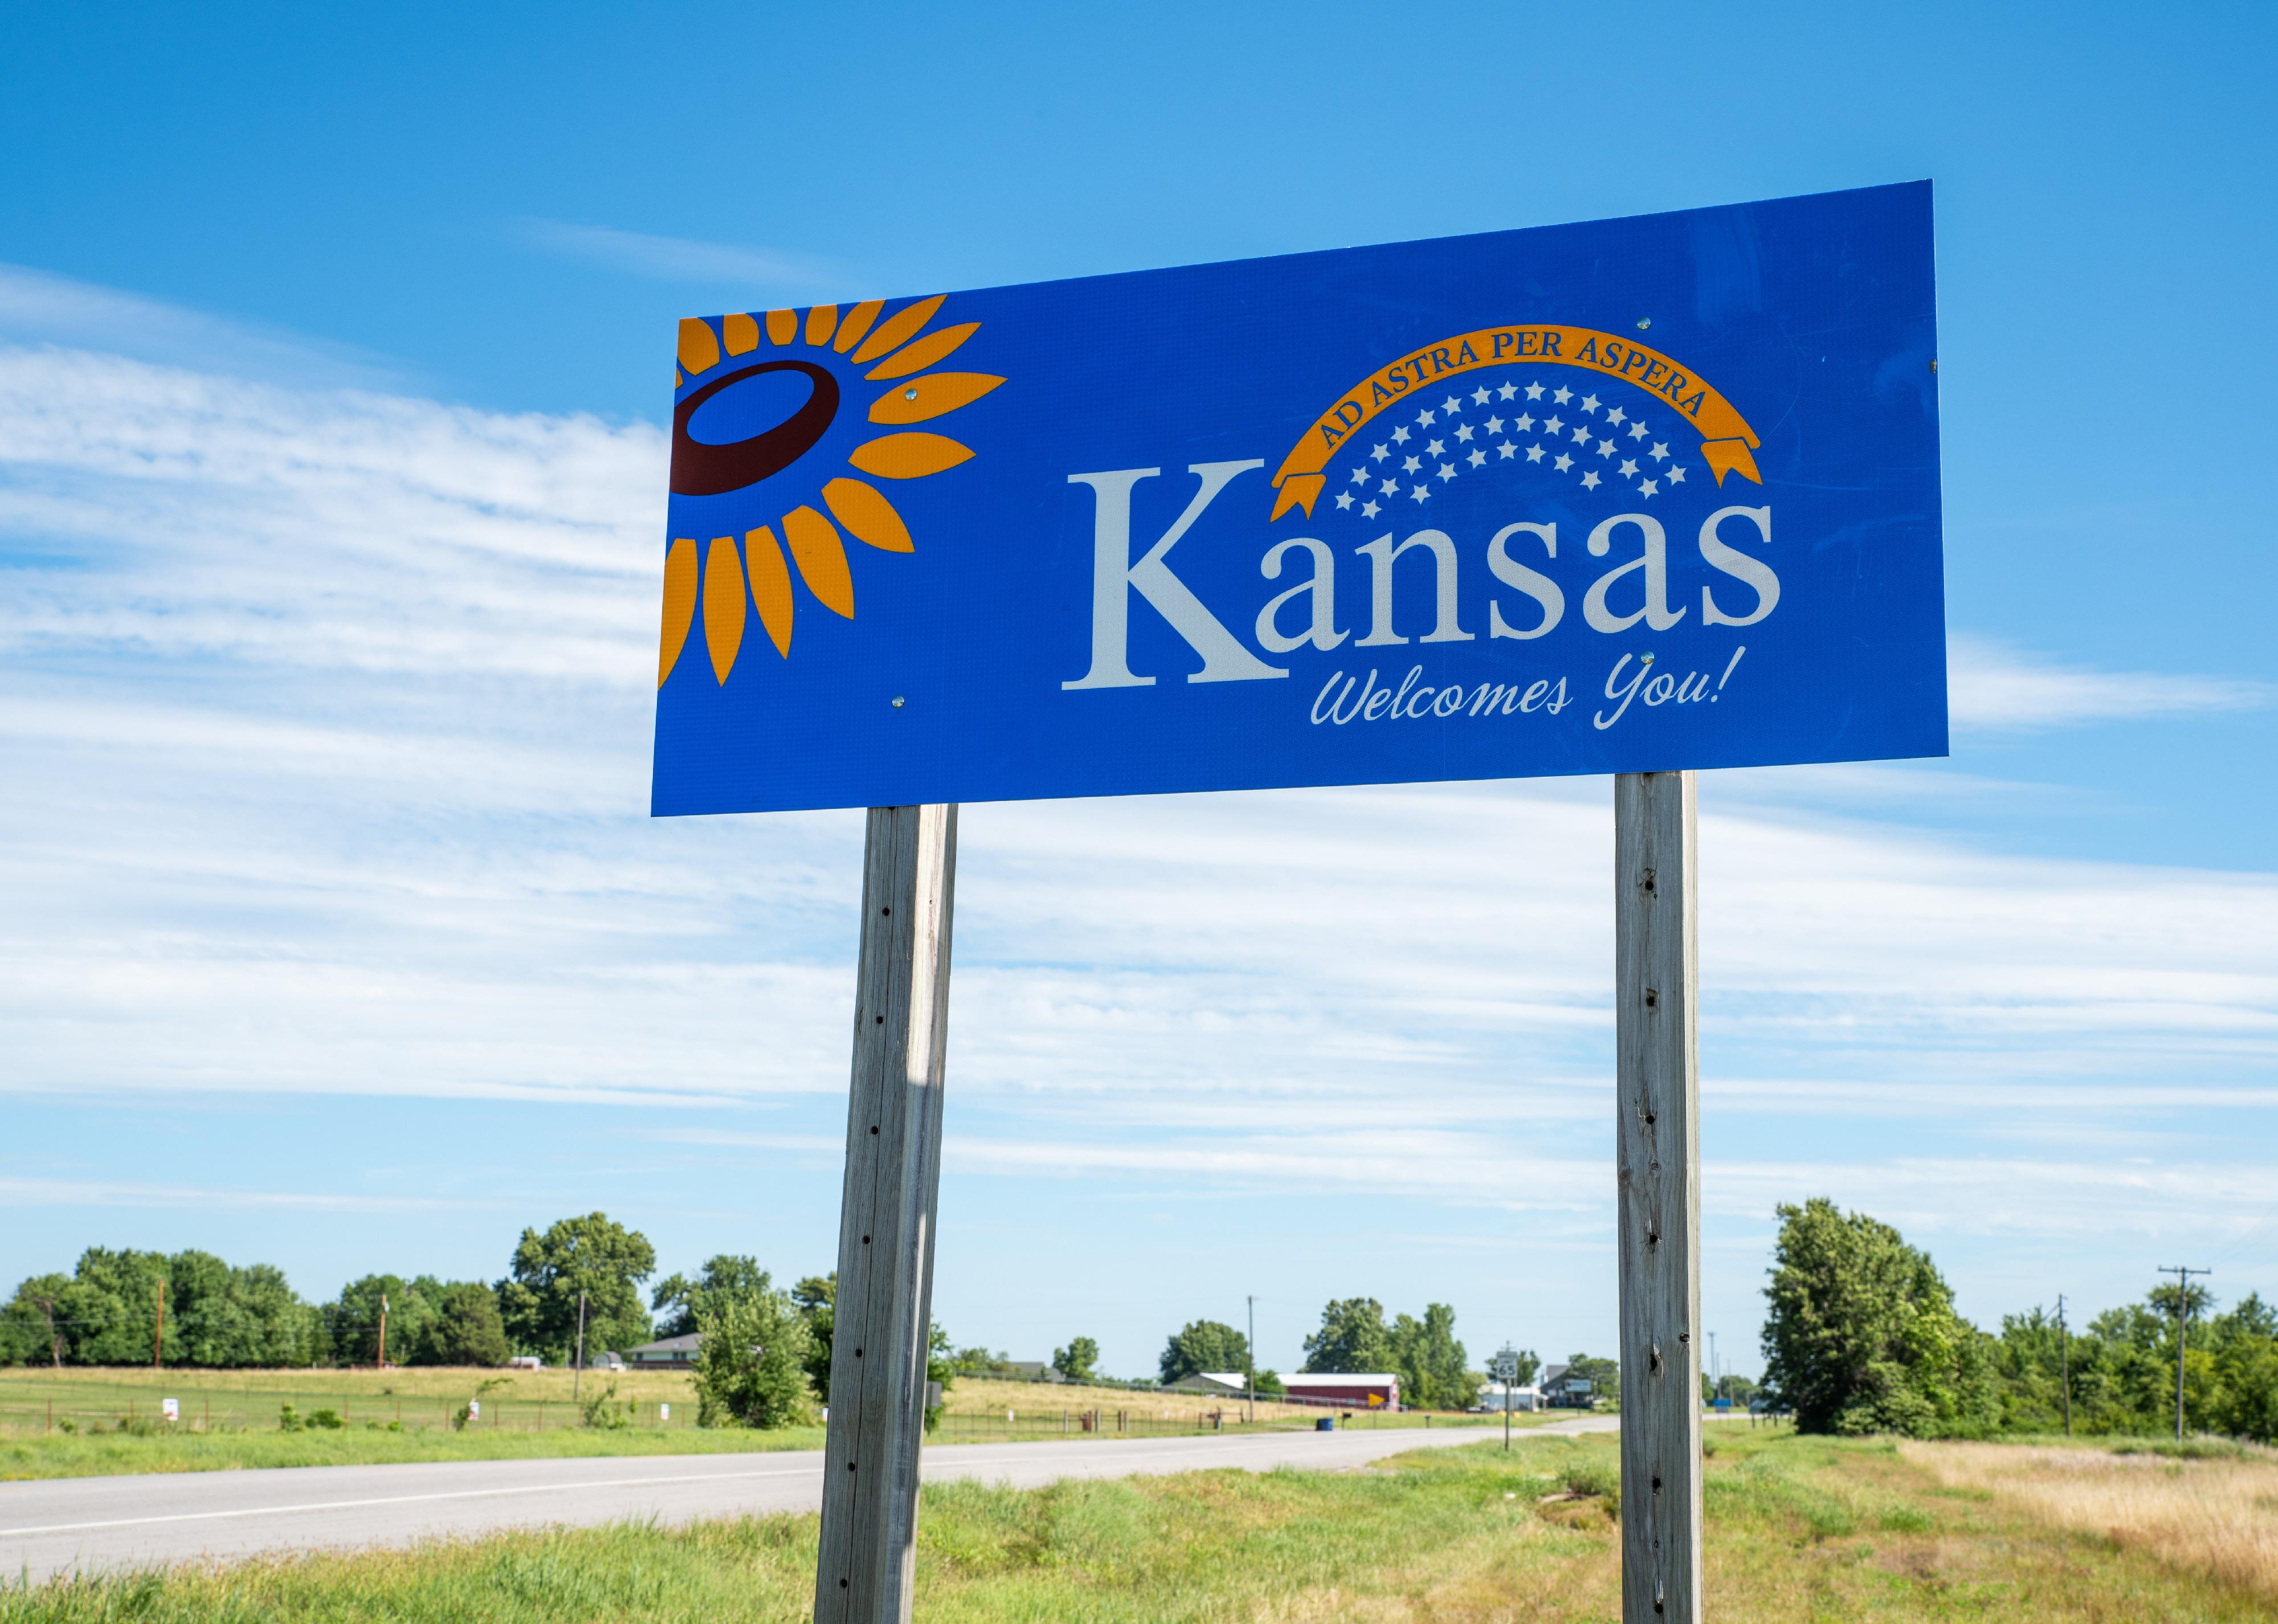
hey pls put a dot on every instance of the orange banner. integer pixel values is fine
(1727, 441)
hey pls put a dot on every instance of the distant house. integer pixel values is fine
(1029, 1370)
(671, 1353)
(1563, 1391)
(1217, 1383)
(1375, 1390)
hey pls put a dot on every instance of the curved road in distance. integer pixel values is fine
(101, 1524)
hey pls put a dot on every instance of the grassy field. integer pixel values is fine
(74, 1423)
(1798, 1529)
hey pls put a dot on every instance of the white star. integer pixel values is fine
(1605, 448)
(1380, 453)
(1590, 480)
(1344, 499)
(1360, 475)
(1615, 414)
(1534, 392)
(1582, 435)
(1369, 509)
(1563, 463)
(1660, 452)
(1534, 454)
(1446, 472)
(1436, 448)
(1508, 392)
(1426, 417)
(1637, 431)
(1451, 405)
(1589, 402)
(1400, 436)
(1523, 423)
(1494, 425)
(1628, 469)
(1649, 489)
(1508, 450)
(1675, 474)
(1390, 487)
(1480, 396)
(1463, 430)
(1562, 394)
(1551, 425)
(1411, 465)
(1422, 492)
(1478, 457)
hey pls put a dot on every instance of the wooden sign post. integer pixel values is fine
(883, 1314)
(1657, 1003)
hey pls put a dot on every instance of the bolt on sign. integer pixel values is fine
(1631, 496)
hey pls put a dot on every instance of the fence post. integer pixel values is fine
(1657, 1140)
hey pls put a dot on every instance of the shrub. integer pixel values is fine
(751, 1370)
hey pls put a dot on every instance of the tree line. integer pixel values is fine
(1862, 1336)
(192, 1308)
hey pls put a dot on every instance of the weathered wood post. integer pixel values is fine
(1657, 990)
(883, 1314)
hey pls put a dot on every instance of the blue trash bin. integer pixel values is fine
(1326, 1424)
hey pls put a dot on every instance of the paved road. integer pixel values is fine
(91, 1523)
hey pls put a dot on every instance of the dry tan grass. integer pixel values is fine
(2215, 1517)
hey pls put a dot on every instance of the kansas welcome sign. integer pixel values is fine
(1627, 497)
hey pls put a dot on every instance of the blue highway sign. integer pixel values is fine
(1633, 495)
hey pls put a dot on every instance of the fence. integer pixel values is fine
(1157, 1420)
(86, 1406)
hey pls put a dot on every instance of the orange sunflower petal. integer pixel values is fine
(864, 510)
(698, 348)
(934, 395)
(742, 334)
(783, 325)
(679, 605)
(723, 605)
(908, 456)
(857, 323)
(770, 585)
(821, 559)
(898, 327)
(924, 353)
(821, 322)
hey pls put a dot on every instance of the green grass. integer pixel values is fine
(106, 1453)
(1800, 1530)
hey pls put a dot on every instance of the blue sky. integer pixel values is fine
(332, 933)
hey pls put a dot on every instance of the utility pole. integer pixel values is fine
(159, 1338)
(380, 1362)
(577, 1376)
(2182, 1330)
(1250, 1358)
(1712, 1364)
(2063, 1362)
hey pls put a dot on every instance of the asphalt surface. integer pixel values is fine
(91, 1524)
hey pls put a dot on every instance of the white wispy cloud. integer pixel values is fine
(681, 259)
(1992, 685)
(327, 724)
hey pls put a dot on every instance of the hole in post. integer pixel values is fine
(1651, 998)
(874, 1127)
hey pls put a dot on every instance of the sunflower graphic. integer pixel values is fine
(755, 397)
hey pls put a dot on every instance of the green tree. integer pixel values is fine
(1270, 1384)
(352, 1320)
(1604, 1376)
(677, 1296)
(1206, 1344)
(1431, 1363)
(1861, 1335)
(1353, 1339)
(751, 1369)
(1075, 1361)
(537, 1300)
(467, 1328)
(113, 1306)
(37, 1324)
(816, 1297)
